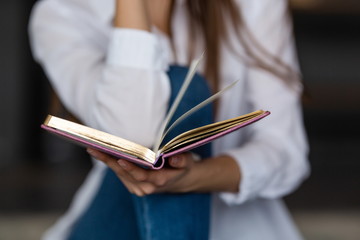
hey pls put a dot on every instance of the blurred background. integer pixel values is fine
(38, 178)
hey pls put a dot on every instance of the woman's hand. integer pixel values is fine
(217, 174)
(142, 182)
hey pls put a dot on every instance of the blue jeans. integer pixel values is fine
(116, 214)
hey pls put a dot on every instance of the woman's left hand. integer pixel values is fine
(142, 182)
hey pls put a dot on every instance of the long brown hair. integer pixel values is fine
(210, 18)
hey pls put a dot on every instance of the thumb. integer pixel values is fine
(181, 160)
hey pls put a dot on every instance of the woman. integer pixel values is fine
(102, 55)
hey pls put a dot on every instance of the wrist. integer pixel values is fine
(217, 174)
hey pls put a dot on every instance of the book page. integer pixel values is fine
(207, 130)
(197, 107)
(100, 137)
(192, 70)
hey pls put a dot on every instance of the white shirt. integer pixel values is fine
(115, 80)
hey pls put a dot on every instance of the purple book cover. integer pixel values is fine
(159, 163)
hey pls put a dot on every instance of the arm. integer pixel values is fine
(273, 161)
(110, 78)
(132, 14)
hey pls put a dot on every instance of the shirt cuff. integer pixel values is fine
(252, 174)
(134, 49)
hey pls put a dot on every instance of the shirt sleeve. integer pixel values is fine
(111, 79)
(273, 162)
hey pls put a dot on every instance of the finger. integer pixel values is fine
(133, 188)
(99, 155)
(145, 181)
(133, 185)
(107, 159)
(110, 162)
(184, 160)
(136, 172)
(140, 189)
(165, 177)
(123, 171)
(147, 188)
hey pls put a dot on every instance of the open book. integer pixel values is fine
(154, 158)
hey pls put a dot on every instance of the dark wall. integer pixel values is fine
(329, 53)
(21, 86)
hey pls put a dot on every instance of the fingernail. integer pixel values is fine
(123, 164)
